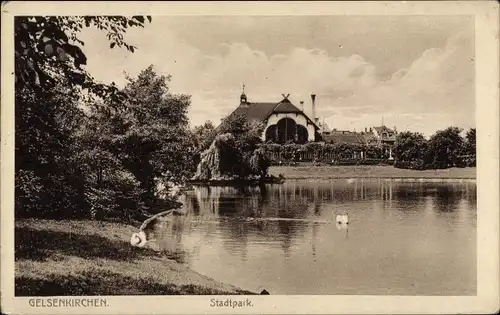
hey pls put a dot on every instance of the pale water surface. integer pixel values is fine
(404, 238)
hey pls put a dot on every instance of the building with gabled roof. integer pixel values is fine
(344, 136)
(384, 134)
(373, 135)
(283, 121)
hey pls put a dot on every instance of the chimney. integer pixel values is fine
(302, 105)
(313, 98)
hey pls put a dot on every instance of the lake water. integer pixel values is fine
(403, 238)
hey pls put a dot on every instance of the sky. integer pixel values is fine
(412, 72)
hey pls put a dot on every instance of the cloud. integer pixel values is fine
(435, 91)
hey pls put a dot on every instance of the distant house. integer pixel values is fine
(283, 121)
(343, 136)
(384, 135)
(373, 135)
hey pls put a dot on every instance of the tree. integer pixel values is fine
(110, 189)
(47, 49)
(47, 176)
(153, 139)
(410, 150)
(445, 146)
(259, 162)
(247, 138)
(204, 135)
(51, 174)
(469, 153)
(233, 152)
(470, 142)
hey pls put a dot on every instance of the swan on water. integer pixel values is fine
(147, 228)
(342, 218)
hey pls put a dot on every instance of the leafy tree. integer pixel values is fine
(470, 141)
(204, 135)
(47, 176)
(259, 162)
(51, 86)
(445, 146)
(110, 189)
(410, 150)
(47, 48)
(469, 151)
(234, 150)
(247, 138)
(153, 140)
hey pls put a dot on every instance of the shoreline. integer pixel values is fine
(371, 172)
(83, 257)
(236, 182)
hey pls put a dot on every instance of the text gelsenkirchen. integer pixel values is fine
(231, 303)
(68, 302)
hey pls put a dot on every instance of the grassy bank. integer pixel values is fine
(92, 258)
(368, 171)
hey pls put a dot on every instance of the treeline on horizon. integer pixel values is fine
(411, 150)
(445, 148)
(85, 149)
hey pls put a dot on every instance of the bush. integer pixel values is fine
(118, 195)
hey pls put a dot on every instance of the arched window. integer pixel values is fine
(302, 134)
(287, 130)
(271, 134)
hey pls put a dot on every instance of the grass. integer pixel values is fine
(368, 171)
(68, 258)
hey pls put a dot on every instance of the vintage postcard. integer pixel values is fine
(250, 157)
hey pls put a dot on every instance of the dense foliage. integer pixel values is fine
(411, 150)
(48, 50)
(87, 149)
(445, 148)
(332, 153)
(234, 152)
(204, 135)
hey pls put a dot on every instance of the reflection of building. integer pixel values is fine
(283, 121)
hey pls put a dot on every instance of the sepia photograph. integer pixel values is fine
(238, 155)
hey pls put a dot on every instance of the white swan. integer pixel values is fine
(342, 218)
(147, 228)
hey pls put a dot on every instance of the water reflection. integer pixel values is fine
(419, 236)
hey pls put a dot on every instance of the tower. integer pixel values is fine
(243, 96)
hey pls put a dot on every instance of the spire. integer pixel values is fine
(243, 97)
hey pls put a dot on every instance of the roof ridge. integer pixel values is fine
(277, 104)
